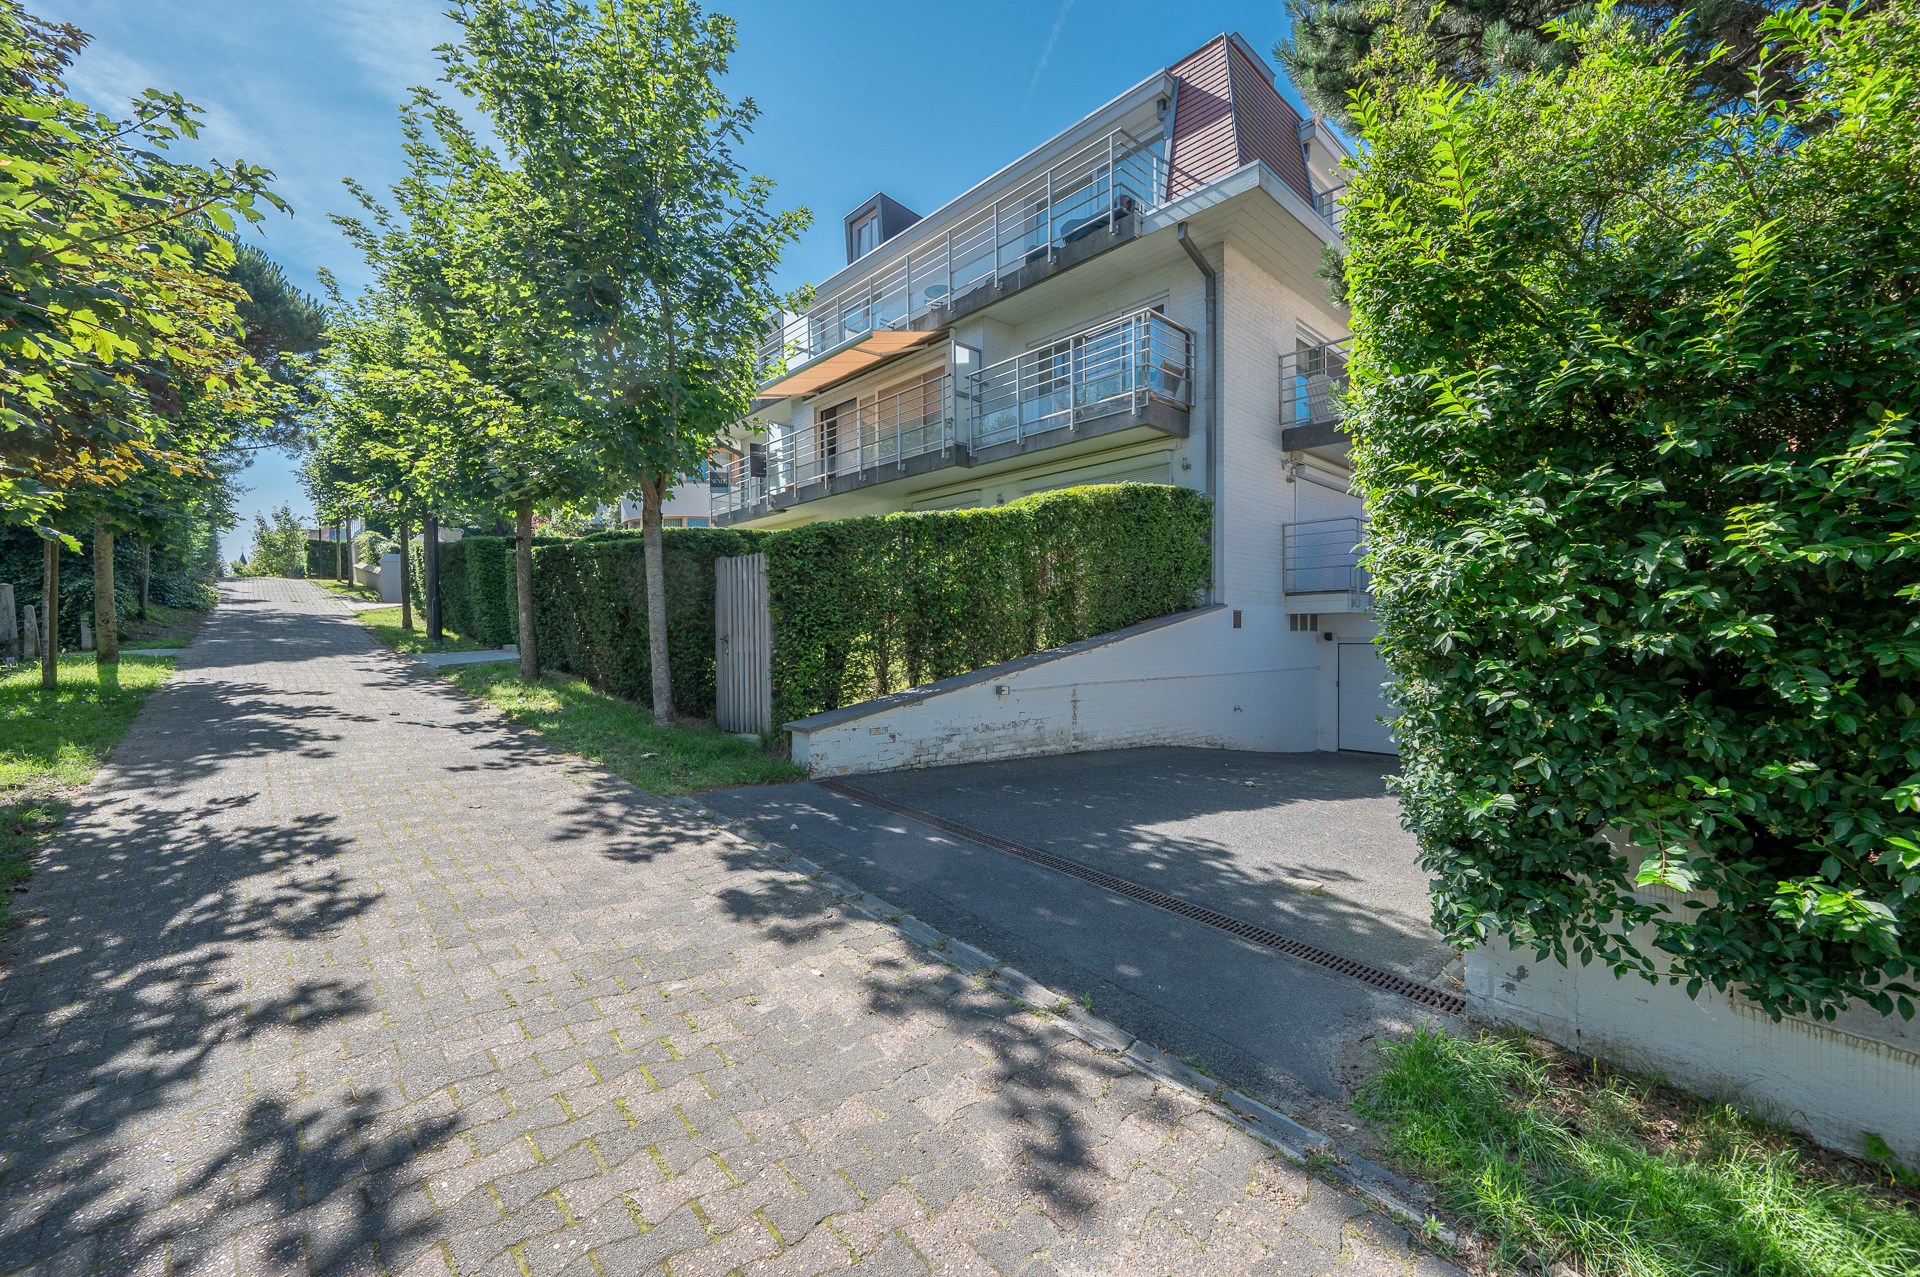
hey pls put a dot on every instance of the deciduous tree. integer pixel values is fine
(1634, 394)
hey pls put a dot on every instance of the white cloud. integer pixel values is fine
(108, 80)
(1046, 50)
(393, 41)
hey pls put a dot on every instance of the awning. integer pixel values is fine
(848, 361)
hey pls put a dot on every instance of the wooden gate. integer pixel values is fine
(742, 645)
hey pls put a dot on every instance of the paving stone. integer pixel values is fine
(374, 982)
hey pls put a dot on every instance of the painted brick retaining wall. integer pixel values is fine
(1834, 1080)
(1191, 679)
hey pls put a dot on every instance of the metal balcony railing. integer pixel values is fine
(1121, 364)
(1312, 381)
(1086, 192)
(861, 436)
(1327, 204)
(1323, 556)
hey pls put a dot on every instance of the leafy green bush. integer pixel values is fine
(866, 606)
(322, 563)
(590, 610)
(1633, 403)
(371, 547)
(456, 611)
(477, 598)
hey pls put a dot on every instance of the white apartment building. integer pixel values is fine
(1134, 300)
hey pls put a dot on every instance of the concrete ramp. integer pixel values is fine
(1201, 678)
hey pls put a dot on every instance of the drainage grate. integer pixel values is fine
(1413, 990)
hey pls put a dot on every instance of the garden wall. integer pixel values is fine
(868, 606)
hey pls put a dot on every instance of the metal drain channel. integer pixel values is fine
(1413, 990)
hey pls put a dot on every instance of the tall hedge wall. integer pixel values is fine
(476, 588)
(590, 610)
(321, 561)
(862, 607)
(1636, 403)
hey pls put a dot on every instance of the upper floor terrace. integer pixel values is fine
(1133, 373)
(1091, 188)
(1313, 385)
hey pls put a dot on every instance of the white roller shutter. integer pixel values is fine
(1363, 700)
(1312, 501)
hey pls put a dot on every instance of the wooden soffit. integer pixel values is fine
(849, 361)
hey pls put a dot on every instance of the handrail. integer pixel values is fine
(1124, 362)
(1324, 556)
(1089, 190)
(1313, 381)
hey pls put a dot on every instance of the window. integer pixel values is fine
(866, 235)
(695, 521)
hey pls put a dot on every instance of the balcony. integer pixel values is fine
(1322, 558)
(1327, 204)
(1129, 365)
(1102, 187)
(1125, 373)
(1313, 385)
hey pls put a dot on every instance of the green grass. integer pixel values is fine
(347, 590)
(1615, 1174)
(621, 736)
(52, 742)
(164, 627)
(385, 622)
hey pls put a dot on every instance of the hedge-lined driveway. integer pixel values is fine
(330, 972)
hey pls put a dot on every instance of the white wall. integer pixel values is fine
(1833, 1080)
(1188, 680)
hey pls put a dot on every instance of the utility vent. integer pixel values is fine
(1298, 621)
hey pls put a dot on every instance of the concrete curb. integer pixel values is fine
(1292, 1139)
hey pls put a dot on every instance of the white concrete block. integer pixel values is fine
(1836, 1081)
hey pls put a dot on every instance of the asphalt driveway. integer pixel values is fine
(1306, 845)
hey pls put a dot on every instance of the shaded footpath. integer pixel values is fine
(332, 971)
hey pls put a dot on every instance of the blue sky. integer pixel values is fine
(919, 100)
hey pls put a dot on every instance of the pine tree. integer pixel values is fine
(1339, 46)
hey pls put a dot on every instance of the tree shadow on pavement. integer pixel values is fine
(1035, 1081)
(151, 1015)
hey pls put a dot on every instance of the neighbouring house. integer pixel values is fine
(1137, 299)
(688, 505)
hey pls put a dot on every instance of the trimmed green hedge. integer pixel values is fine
(590, 610)
(866, 606)
(476, 588)
(321, 564)
(860, 607)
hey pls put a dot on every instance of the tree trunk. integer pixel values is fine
(106, 613)
(430, 569)
(50, 607)
(348, 578)
(653, 491)
(523, 589)
(339, 554)
(146, 573)
(406, 580)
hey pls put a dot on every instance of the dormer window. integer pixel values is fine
(866, 234)
(874, 223)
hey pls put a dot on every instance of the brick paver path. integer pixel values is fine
(332, 972)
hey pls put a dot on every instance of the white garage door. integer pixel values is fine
(1363, 700)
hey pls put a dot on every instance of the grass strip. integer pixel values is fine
(1612, 1173)
(620, 735)
(51, 743)
(346, 589)
(385, 623)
